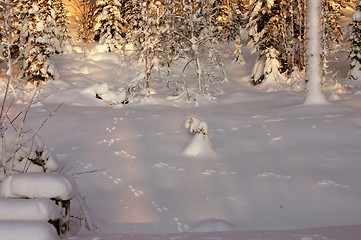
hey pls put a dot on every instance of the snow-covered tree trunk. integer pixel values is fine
(314, 93)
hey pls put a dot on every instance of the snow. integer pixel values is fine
(274, 165)
(41, 209)
(356, 16)
(39, 185)
(30, 230)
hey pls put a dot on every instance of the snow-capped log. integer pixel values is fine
(41, 209)
(39, 185)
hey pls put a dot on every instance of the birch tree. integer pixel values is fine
(314, 93)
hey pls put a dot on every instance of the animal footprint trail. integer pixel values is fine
(209, 172)
(136, 193)
(181, 227)
(115, 180)
(85, 165)
(272, 175)
(161, 165)
(160, 208)
(329, 183)
(125, 153)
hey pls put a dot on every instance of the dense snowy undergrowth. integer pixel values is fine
(268, 161)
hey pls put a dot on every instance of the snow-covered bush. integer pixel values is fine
(200, 144)
(21, 150)
(194, 125)
(25, 152)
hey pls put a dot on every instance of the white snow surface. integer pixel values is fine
(278, 165)
(39, 185)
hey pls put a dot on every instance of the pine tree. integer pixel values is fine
(84, 18)
(332, 12)
(228, 17)
(62, 31)
(6, 29)
(110, 23)
(355, 48)
(37, 41)
(264, 30)
(3, 32)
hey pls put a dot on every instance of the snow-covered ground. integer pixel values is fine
(270, 164)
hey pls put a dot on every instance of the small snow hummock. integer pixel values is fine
(42, 209)
(102, 91)
(213, 225)
(39, 185)
(200, 144)
(29, 230)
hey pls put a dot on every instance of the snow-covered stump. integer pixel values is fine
(57, 187)
(200, 144)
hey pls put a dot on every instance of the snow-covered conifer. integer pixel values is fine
(355, 48)
(332, 12)
(228, 17)
(62, 31)
(110, 23)
(264, 31)
(84, 18)
(37, 41)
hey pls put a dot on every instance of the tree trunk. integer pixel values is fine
(314, 93)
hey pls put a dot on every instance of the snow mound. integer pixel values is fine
(213, 225)
(29, 230)
(39, 185)
(102, 91)
(41, 209)
(200, 144)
